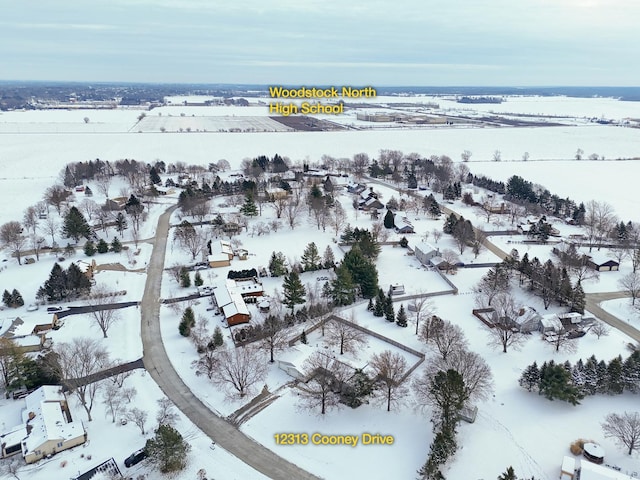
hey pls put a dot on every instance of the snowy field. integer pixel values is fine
(513, 427)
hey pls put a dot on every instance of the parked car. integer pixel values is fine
(135, 458)
(32, 307)
(203, 291)
(53, 309)
(200, 266)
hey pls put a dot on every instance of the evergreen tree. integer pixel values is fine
(389, 313)
(530, 377)
(602, 380)
(404, 243)
(328, 260)
(509, 474)
(590, 373)
(277, 264)
(89, 248)
(187, 322)
(16, 299)
(556, 384)
(6, 298)
(294, 291)
(197, 280)
(347, 234)
(154, 177)
(631, 373)
(218, 339)
(370, 305)
(362, 271)
(103, 246)
(88, 192)
(578, 301)
(450, 223)
(389, 221)
(185, 279)
(303, 337)
(116, 246)
(77, 282)
(55, 287)
(75, 225)
(614, 377)
(311, 258)
(378, 307)
(249, 208)
(167, 449)
(401, 319)
(343, 287)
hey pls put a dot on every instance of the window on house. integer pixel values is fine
(60, 444)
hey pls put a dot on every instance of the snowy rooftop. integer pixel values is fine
(591, 471)
(49, 421)
(237, 306)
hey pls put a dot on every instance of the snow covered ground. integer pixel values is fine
(513, 427)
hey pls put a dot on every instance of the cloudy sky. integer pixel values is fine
(315, 42)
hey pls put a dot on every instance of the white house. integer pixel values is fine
(425, 252)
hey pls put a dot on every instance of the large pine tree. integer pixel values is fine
(401, 319)
(294, 291)
(389, 221)
(311, 258)
(75, 225)
(249, 208)
(343, 287)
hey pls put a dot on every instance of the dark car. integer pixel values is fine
(135, 458)
(53, 309)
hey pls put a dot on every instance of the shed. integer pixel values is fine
(528, 320)
(292, 361)
(396, 289)
(591, 471)
(602, 263)
(550, 323)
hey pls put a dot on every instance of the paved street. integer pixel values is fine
(159, 367)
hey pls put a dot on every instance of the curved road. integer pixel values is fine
(159, 367)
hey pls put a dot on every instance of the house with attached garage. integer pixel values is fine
(47, 427)
(602, 262)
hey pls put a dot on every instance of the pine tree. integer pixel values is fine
(89, 248)
(370, 305)
(631, 373)
(578, 301)
(249, 208)
(614, 377)
(154, 177)
(389, 220)
(197, 280)
(556, 384)
(187, 322)
(116, 246)
(401, 319)
(277, 265)
(294, 291)
(167, 449)
(185, 279)
(6, 298)
(77, 282)
(16, 299)
(75, 225)
(310, 258)
(218, 339)
(389, 313)
(602, 380)
(509, 474)
(102, 247)
(530, 377)
(328, 260)
(303, 337)
(343, 287)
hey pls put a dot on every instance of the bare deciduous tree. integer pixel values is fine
(390, 369)
(139, 417)
(188, 238)
(600, 329)
(359, 164)
(166, 412)
(423, 308)
(625, 429)
(449, 339)
(76, 360)
(325, 375)
(431, 327)
(505, 333)
(103, 183)
(240, 369)
(349, 338)
(113, 400)
(12, 238)
(275, 336)
(437, 235)
(292, 213)
(561, 342)
(104, 316)
(630, 283)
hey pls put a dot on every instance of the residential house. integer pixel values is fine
(424, 252)
(275, 193)
(88, 268)
(527, 320)
(370, 202)
(356, 188)
(405, 229)
(48, 426)
(232, 297)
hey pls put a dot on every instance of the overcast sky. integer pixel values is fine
(323, 42)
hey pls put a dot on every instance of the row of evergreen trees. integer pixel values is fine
(383, 307)
(573, 382)
(90, 248)
(551, 283)
(310, 261)
(13, 299)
